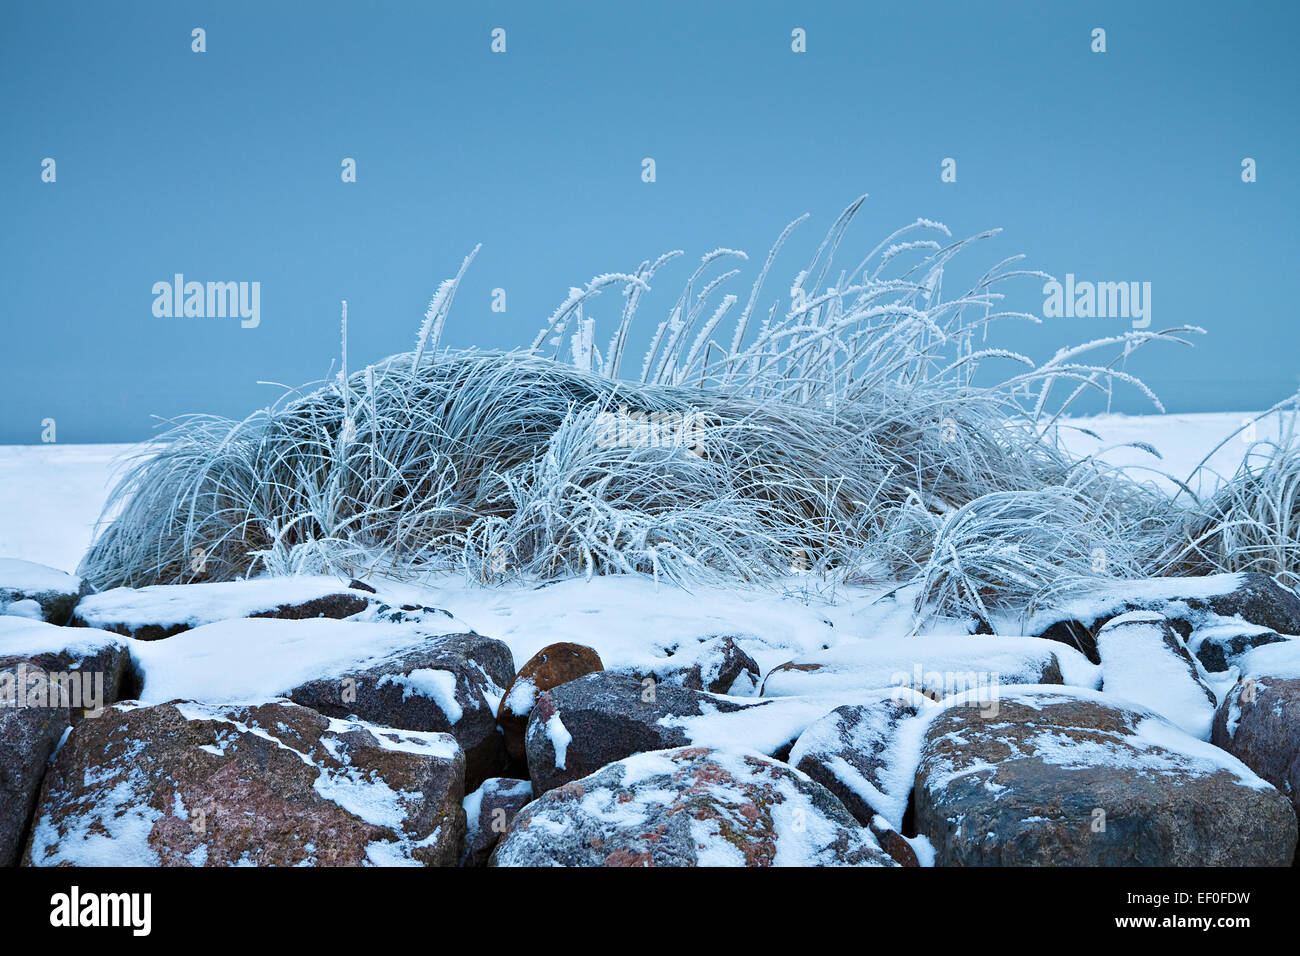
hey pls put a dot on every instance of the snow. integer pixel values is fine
(560, 739)
(52, 497)
(23, 637)
(897, 744)
(1182, 440)
(258, 658)
(1138, 665)
(196, 604)
(1095, 603)
(437, 685)
(1280, 660)
(32, 578)
(944, 663)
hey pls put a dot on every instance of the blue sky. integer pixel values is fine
(225, 165)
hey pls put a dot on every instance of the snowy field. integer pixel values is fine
(51, 495)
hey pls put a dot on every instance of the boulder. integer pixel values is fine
(1143, 661)
(1219, 646)
(94, 667)
(450, 683)
(689, 807)
(550, 667)
(28, 589)
(1259, 723)
(858, 753)
(1187, 603)
(488, 812)
(32, 720)
(1067, 777)
(164, 610)
(936, 666)
(579, 727)
(716, 664)
(271, 784)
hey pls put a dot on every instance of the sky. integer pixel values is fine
(227, 165)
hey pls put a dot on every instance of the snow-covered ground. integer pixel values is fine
(51, 495)
(50, 499)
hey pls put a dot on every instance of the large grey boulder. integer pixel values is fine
(578, 727)
(32, 721)
(689, 807)
(272, 784)
(1259, 719)
(450, 683)
(1068, 778)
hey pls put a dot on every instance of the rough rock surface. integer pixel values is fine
(857, 753)
(1187, 603)
(1143, 661)
(31, 589)
(716, 664)
(1259, 723)
(164, 610)
(30, 728)
(488, 813)
(579, 727)
(689, 807)
(95, 665)
(1069, 779)
(1219, 646)
(552, 666)
(450, 683)
(275, 784)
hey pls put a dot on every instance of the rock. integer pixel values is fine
(689, 807)
(857, 753)
(937, 666)
(1259, 724)
(488, 813)
(31, 723)
(550, 667)
(1218, 646)
(1187, 603)
(164, 610)
(893, 842)
(1259, 599)
(25, 585)
(579, 727)
(450, 683)
(272, 784)
(717, 665)
(1068, 778)
(407, 614)
(1143, 661)
(94, 667)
